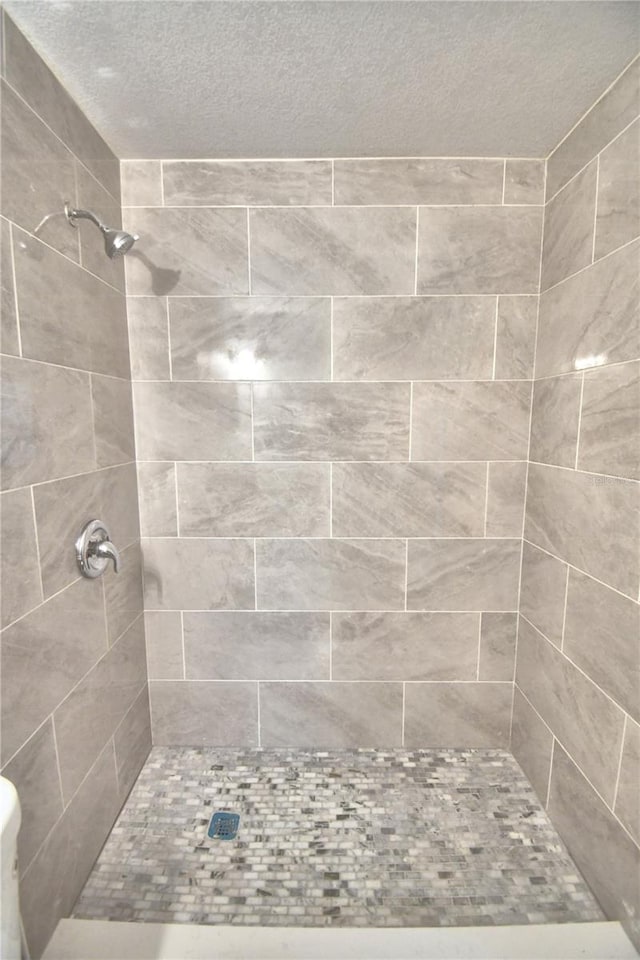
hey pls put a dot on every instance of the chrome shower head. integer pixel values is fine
(116, 242)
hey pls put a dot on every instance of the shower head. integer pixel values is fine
(116, 242)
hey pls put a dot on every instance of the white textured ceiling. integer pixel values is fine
(257, 78)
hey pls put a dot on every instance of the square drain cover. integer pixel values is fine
(224, 826)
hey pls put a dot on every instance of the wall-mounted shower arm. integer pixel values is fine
(116, 242)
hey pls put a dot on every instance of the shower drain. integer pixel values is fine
(224, 826)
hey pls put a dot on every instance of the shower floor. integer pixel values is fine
(355, 838)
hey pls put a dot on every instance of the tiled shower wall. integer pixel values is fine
(332, 365)
(577, 703)
(75, 721)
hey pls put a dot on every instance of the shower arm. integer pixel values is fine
(72, 215)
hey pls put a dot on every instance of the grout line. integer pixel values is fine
(57, 754)
(504, 179)
(252, 205)
(112, 741)
(37, 543)
(415, 267)
(248, 251)
(253, 431)
(617, 786)
(595, 210)
(479, 647)
(564, 612)
(486, 499)
(324, 160)
(582, 472)
(98, 373)
(259, 718)
(248, 611)
(399, 538)
(404, 709)
(330, 500)
(169, 350)
(161, 182)
(553, 745)
(325, 296)
(424, 683)
(93, 420)
(579, 421)
(331, 645)
(184, 657)
(577, 273)
(175, 484)
(406, 575)
(495, 342)
(579, 570)
(255, 575)
(15, 285)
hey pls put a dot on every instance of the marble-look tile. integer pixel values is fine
(592, 318)
(132, 742)
(187, 251)
(569, 222)
(580, 715)
(497, 646)
(158, 503)
(605, 855)
(515, 337)
(618, 217)
(524, 181)
(418, 180)
(9, 335)
(404, 646)
(542, 591)
(256, 646)
(194, 714)
(21, 587)
(88, 717)
(119, 500)
(141, 183)
(610, 423)
(92, 196)
(531, 744)
(198, 574)
(250, 338)
(555, 415)
(408, 499)
(253, 499)
(55, 637)
(331, 715)
(123, 592)
(330, 574)
(68, 316)
(413, 338)
(463, 574)
(51, 885)
(148, 338)
(587, 520)
(334, 250)
(601, 636)
(479, 249)
(457, 714)
(611, 114)
(34, 773)
(112, 420)
(31, 77)
(471, 420)
(627, 800)
(36, 400)
(37, 175)
(165, 657)
(332, 421)
(193, 421)
(243, 183)
(505, 499)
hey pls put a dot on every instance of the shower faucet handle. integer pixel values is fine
(94, 550)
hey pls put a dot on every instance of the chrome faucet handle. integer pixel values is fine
(94, 550)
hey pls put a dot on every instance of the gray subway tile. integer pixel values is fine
(112, 420)
(618, 218)
(524, 181)
(21, 587)
(158, 499)
(531, 744)
(165, 657)
(213, 714)
(569, 223)
(418, 180)
(141, 183)
(515, 337)
(497, 646)
(555, 415)
(463, 574)
(9, 335)
(457, 715)
(198, 574)
(505, 499)
(148, 338)
(132, 742)
(610, 423)
(542, 591)
(627, 800)
(247, 182)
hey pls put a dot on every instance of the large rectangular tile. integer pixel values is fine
(193, 421)
(21, 586)
(479, 250)
(194, 714)
(408, 499)
(418, 180)
(463, 574)
(141, 183)
(601, 635)
(505, 499)
(247, 182)
(112, 420)
(542, 591)
(330, 574)
(496, 660)
(123, 592)
(9, 334)
(531, 744)
(148, 338)
(332, 421)
(515, 337)
(253, 499)
(91, 195)
(256, 646)
(250, 338)
(86, 720)
(56, 639)
(36, 399)
(457, 715)
(165, 654)
(132, 742)
(610, 423)
(404, 646)
(479, 420)
(627, 799)
(580, 715)
(68, 316)
(589, 521)
(333, 251)
(331, 715)
(413, 338)
(187, 251)
(592, 318)
(611, 114)
(605, 855)
(158, 499)
(618, 218)
(198, 574)
(555, 415)
(569, 223)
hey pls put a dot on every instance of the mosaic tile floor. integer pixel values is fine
(358, 838)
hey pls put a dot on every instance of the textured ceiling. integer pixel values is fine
(256, 78)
